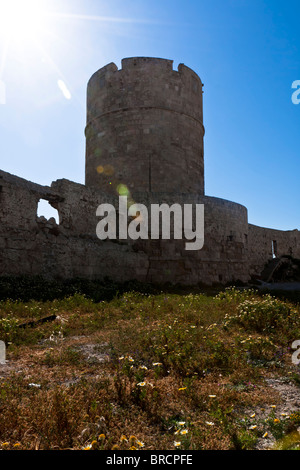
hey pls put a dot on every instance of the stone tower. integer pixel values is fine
(145, 128)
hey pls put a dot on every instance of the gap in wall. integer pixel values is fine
(45, 209)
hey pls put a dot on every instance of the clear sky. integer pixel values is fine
(247, 53)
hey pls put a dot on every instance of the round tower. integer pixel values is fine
(145, 128)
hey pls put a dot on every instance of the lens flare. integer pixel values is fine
(64, 89)
(123, 190)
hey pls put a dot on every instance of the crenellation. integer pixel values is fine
(154, 63)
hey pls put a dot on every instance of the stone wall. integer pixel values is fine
(33, 245)
(233, 250)
(263, 243)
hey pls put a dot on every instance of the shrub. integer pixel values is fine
(264, 315)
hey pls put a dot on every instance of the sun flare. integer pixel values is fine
(21, 20)
(33, 36)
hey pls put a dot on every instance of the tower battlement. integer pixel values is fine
(130, 63)
(145, 81)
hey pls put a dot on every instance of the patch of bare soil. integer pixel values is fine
(288, 402)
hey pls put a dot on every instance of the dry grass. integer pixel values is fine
(143, 372)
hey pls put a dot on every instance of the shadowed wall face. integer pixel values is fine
(145, 128)
(33, 245)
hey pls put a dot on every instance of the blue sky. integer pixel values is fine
(247, 53)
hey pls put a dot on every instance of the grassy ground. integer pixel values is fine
(139, 371)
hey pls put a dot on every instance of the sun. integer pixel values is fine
(21, 20)
(32, 37)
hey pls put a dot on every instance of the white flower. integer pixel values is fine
(88, 447)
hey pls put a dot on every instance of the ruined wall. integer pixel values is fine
(264, 242)
(145, 128)
(223, 257)
(33, 245)
(233, 250)
(19, 226)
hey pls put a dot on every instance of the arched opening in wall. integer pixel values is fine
(274, 249)
(45, 209)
